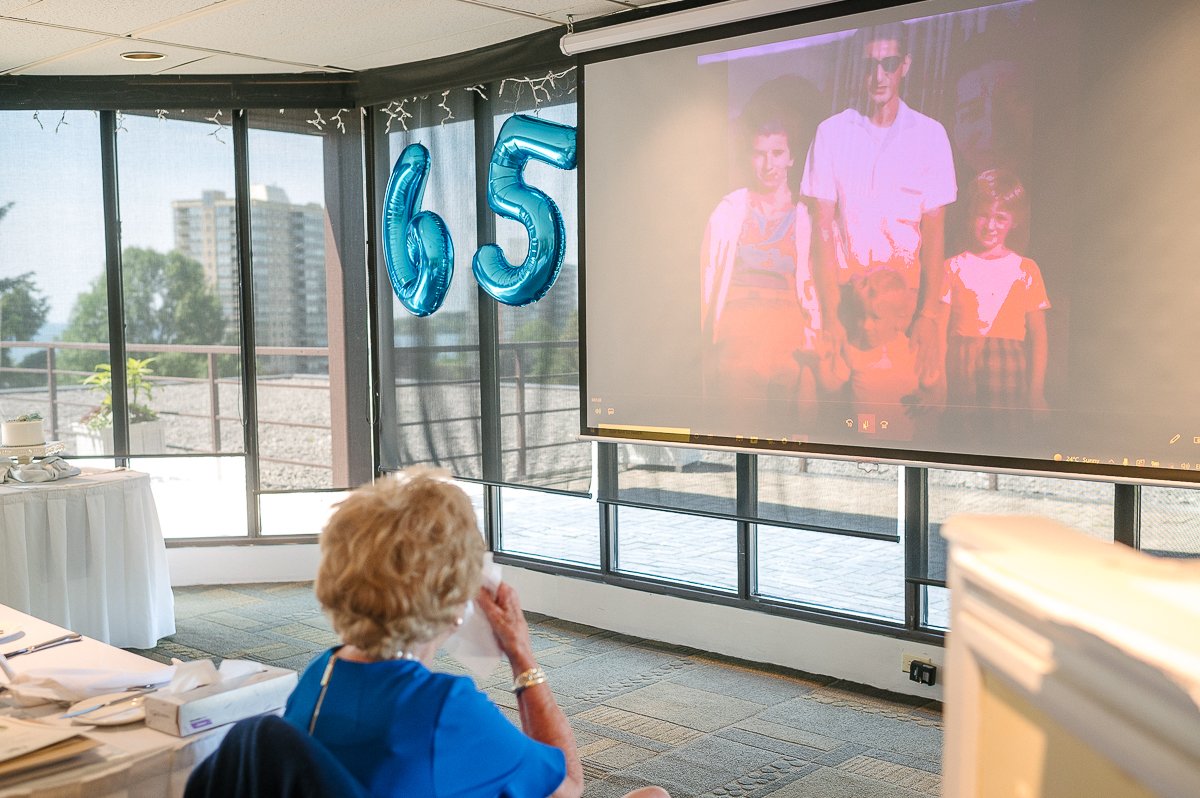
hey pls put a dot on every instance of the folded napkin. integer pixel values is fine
(474, 645)
(47, 469)
(41, 685)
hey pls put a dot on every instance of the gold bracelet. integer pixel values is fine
(529, 678)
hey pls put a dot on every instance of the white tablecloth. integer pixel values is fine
(87, 553)
(132, 760)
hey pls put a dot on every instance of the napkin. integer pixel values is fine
(41, 685)
(47, 469)
(201, 673)
(474, 645)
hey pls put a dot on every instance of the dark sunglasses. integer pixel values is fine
(890, 64)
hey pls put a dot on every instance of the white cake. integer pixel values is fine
(22, 433)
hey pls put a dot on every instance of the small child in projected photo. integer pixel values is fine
(996, 345)
(877, 358)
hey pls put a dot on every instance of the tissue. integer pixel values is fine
(473, 645)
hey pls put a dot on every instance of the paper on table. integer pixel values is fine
(474, 645)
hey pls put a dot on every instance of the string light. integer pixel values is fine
(536, 85)
(161, 113)
(62, 120)
(216, 120)
(395, 110)
(37, 119)
(318, 121)
(341, 126)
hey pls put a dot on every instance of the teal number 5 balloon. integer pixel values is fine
(521, 138)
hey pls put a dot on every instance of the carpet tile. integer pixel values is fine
(700, 724)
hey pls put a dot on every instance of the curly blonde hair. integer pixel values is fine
(399, 559)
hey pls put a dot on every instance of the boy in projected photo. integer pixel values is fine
(759, 313)
(881, 175)
(876, 357)
(996, 351)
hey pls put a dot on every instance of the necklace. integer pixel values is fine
(312, 723)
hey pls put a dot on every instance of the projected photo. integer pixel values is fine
(953, 239)
(870, 269)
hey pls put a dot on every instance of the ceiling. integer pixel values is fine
(87, 37)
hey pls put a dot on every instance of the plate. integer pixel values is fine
(130, 711)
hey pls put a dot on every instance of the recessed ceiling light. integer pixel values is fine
(142, 55)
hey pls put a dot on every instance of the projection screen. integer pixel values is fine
(943, 233)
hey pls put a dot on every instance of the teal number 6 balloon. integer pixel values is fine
(521, 138)
(416, 244)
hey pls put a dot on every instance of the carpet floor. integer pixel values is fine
(643, 712)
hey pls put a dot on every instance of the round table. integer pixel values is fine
(87, 553)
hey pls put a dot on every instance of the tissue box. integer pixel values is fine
(214, 705)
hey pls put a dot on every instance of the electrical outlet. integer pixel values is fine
(923, 673)
(906, 661)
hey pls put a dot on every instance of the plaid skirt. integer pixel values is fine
(986, 372)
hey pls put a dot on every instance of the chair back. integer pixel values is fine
(267, 757)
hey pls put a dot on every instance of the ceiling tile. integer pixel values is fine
(321, 32)
(106, 59)
(226, 65)
(552, 6)
(110, 16)
(584, 10)
(459, 41)
(9, 6)
(22, 43)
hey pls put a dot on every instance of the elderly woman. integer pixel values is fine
(400, 560)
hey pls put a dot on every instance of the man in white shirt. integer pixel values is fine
(881, 178)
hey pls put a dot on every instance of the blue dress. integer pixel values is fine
(405, 731)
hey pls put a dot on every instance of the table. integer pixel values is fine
(87, 553)
(132, 760)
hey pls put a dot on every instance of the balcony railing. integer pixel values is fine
(540, 405)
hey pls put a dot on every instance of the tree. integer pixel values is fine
(167, 301)
(23, 311)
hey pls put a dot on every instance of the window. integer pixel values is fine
(539, 343)
(431, 408)
(550, 526)
(1170, 524)
(692, 549)
(50, 180)
(1086, 506)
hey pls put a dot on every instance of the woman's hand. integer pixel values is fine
(503, 611)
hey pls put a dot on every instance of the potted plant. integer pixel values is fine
(94, 435)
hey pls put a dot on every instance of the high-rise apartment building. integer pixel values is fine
(288, 246)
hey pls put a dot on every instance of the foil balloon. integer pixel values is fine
(521, 138)
(416, 244)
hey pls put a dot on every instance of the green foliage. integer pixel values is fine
(137, 376)
(23, 311)
(552, 365)
(167, 301)
(34, 416)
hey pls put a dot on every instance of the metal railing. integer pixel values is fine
(420, 368)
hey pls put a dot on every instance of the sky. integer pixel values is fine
(51, 174)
